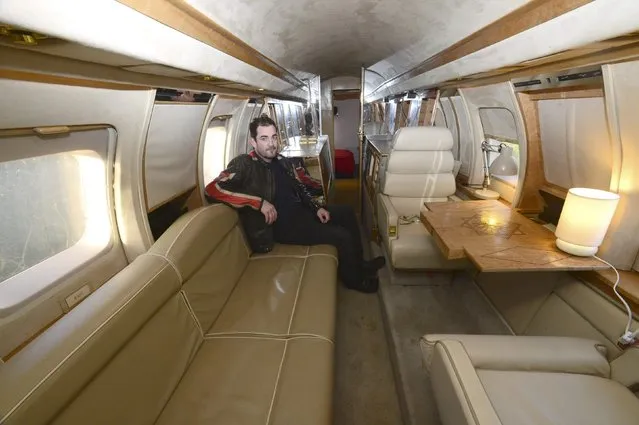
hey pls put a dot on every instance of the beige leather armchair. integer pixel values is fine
(519, 380)
(419, 169)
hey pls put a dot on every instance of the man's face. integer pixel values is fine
(266, 143)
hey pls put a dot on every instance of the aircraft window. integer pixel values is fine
(214, 159)
(55, 213)
(389, 117)
(500, 127)
(41, 204)
(413, 112)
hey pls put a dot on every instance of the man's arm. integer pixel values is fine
(228, 187)
(302, 189)
(308, 181)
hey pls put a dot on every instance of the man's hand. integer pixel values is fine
(269, 211)
(323, 215)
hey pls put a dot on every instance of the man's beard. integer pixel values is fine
(270, 153)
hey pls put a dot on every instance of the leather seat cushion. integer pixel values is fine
(255, 381)
(289, 291)
(527, 398)
(415, 248)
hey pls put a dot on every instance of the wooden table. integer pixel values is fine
(496, 238)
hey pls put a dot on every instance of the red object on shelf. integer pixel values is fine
(344, 162)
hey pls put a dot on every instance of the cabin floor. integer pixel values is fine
(379, 375)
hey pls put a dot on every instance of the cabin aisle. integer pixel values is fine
(365, 392)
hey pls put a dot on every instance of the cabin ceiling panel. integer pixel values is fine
(114, 27)
(598, 20)
(77, 51)
(337, 37)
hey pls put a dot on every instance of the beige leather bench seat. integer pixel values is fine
(195, 331)
(521, 380)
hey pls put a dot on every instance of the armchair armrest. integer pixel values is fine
(387, 218)
(528, 353)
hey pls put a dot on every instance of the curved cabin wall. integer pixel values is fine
(124, 112)
(499, 95)
(170, 155)
(575, 143)
(215, 151)
(621, 244)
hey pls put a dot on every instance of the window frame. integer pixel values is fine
(12, 296)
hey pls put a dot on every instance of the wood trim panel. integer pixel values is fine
(345, 94)
(558, 191)
(27, 341)
(530, 200)
(566, 93)
(530, 15)
(183, 17)
(604, 280)
(10, 74)
(426, 111)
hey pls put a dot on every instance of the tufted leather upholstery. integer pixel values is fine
(195, 331)
(514, 380)
(419, 169)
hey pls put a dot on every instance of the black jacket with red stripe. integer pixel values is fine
(246, 183)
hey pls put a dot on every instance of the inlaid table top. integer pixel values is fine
(496, 238)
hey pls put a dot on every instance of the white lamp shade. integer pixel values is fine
(504, 164)
(584, 220)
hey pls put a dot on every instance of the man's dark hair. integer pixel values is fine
(261, 121)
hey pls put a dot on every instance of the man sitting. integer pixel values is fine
(275, 206)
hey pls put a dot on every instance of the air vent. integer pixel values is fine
(580, 75)
(590, 76)
(527, 83)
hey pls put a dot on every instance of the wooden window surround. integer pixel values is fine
(604, 280)
(531, 201)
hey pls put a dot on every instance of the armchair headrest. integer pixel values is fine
(423, 139)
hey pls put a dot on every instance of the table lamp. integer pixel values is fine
(584, 220)
(503, 165)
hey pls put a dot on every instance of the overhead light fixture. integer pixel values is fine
(584, 220)
(503, 165)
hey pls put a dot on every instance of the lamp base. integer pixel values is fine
(579, 250)
(486, 194)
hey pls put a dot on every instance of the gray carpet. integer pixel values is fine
(415, 310)
(365, 392)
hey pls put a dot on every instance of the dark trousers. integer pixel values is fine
(342, 231)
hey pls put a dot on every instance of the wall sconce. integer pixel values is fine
(584, 220)
(503, 165)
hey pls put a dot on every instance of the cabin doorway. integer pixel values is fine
(347, 144)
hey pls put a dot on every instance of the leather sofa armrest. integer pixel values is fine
(528, 353)
(625, 368)
(388, 219)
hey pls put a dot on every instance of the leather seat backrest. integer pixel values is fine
(419, 168)
(118, 356)
(115, 358)
(209, 252)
